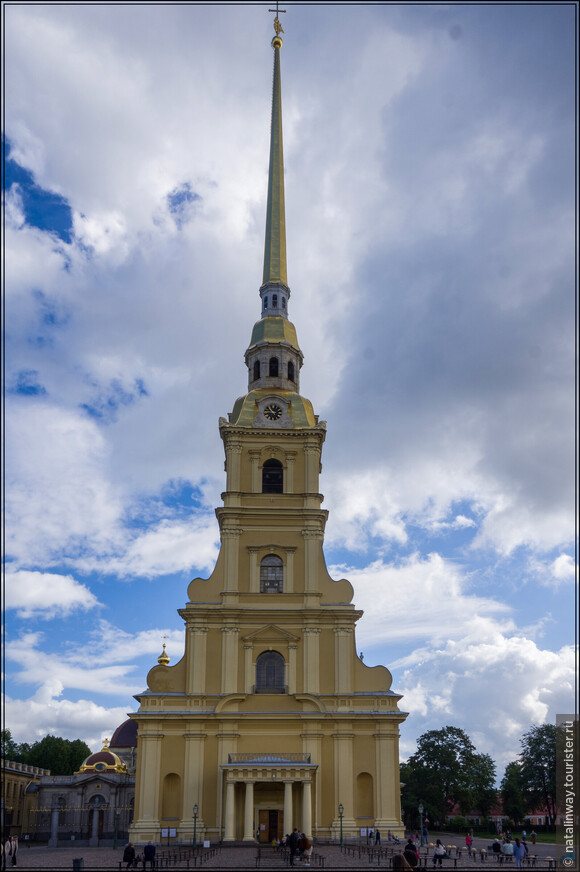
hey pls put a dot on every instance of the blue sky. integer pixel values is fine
(430, 159)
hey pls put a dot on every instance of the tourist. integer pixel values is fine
(468, 843)
(519, 853)
(411, 854)
(305, 846)
(533, 837)
(377, 837)
(129, 856)
(292, 842)
(438, 853)
(507, 849)
(149, 855)
(496, 847)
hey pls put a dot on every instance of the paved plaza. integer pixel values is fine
(245, 858)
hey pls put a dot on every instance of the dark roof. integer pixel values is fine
(125, 736)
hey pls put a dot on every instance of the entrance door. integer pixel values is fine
(271, 824)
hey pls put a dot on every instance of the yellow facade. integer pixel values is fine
(270, 721)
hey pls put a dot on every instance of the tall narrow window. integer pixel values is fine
(283, 302)
(271, 574)
(265, 302)
(270, 673)
(273, 368)
(274, 301)
(256, 370)
(272, 477)
(290, 370)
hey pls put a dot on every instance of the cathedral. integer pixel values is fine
(270, 720)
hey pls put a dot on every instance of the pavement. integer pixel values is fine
(245, 857)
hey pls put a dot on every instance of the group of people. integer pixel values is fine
(9, 852)
(517, 849)
(299, 846)
(131, 859)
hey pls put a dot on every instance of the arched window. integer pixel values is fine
(290, 370)
(283, 302)
(271, 574)
(270, 673)
(273, 369)
(256, 370)
(274, 301)
(272, 477)
(265, 302)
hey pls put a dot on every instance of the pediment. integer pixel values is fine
(271, 633)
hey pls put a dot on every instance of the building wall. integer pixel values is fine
(15, 779)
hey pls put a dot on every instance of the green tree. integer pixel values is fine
(512, 793)
(10, 750)
(538, 768)
(446, 771)
(61, 756)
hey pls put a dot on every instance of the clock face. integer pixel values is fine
(272, 412)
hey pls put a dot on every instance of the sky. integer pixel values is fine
(429, 170)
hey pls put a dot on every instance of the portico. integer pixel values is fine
(270, 793)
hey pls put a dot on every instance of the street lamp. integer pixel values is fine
(195, 811)
(421, 810)
(340, 814)
(117, 815)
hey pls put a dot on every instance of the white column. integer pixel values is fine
(249, 812)
(307, 808)
(288, 822)
(230, 832)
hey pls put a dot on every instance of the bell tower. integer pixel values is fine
(270, 720)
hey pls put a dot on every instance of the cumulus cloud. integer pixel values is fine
(46, 594)
(508, 674)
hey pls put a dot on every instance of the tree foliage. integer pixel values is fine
(538, 768)
(514, 802)
(61, 756)
(446, 771)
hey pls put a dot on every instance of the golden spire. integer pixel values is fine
(105, 745)
(275, 244)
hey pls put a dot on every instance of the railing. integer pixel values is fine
(256, 757)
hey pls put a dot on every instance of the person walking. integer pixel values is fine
(377, 837)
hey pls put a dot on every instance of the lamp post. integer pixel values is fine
(195, 810)
(340, 814)
(421, 809)
(117, 814)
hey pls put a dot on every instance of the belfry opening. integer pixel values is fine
(270, 720)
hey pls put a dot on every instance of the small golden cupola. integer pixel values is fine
(163, 658)
(103, 761)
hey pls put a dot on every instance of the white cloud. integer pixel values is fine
(507, 680)
(46, 595)
(32, 719)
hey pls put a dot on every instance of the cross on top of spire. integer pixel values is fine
(277, 26)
